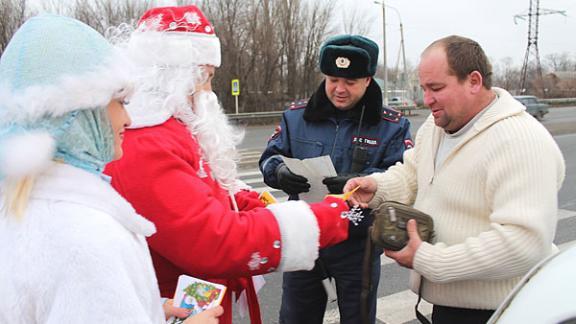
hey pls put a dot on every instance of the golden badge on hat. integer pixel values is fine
(342, 62)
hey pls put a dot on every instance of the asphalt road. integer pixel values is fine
(395, 301)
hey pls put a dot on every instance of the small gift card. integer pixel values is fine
(267, 198)
(196, 295)
(344, 196)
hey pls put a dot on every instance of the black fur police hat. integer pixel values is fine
(349, 56)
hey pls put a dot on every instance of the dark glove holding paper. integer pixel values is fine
(336, 184)
(289, 182)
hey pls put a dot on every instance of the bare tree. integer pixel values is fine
(355, 22)
(12, 15)
(271, 46)
(103, 14)
(560, 62)
(317, 17)
(506, 75)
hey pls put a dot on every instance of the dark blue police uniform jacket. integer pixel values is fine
(318, 129)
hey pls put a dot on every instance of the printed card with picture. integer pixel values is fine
(197, 295)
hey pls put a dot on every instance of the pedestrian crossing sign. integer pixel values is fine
(235, 87)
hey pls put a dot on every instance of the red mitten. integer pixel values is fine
(247, 200)
(333, 228)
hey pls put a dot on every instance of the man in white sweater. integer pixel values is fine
(488, 174)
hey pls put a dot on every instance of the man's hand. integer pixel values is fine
(405, 257)
(289, 182)
(336, 184)
(364, 194)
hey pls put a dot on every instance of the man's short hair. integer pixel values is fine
(465, 56)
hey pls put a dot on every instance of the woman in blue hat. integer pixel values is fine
(71, 248)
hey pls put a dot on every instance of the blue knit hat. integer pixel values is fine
(349, 56)
(57, 76)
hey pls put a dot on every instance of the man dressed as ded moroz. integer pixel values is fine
(345, 120)
(179, 171)
(486, 172)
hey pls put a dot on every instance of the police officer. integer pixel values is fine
(344, 119)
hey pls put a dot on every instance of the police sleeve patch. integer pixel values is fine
(276, 133)
(408, 144)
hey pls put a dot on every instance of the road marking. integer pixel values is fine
(565, 213)
(399, 307)
(249, 174)
(392, 309)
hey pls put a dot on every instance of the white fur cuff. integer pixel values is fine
(300, 235)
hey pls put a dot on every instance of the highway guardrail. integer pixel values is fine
(406, 110)
(559, 101)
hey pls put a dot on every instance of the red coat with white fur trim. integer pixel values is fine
(164, 177)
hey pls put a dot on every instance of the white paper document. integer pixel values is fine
(315, 170)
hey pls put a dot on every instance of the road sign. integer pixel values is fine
(235, 87)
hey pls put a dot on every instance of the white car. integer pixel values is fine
(546, 295)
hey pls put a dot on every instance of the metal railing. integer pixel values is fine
(406, 110)
(560, 101)
(255, 115)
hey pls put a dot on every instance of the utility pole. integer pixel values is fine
(385, 88)
(401, 56)
(532, 53)
(405, 77)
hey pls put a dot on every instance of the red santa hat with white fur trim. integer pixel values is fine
(177, 36)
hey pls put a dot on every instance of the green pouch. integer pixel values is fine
(389, 228)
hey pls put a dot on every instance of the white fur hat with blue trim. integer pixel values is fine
(53, 65)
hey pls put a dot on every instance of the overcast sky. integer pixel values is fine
(490, 22)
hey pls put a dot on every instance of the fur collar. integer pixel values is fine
(320, 108)
(62, 182)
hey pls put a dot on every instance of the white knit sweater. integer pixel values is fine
(493, 200)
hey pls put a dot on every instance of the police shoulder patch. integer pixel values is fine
(390, 114)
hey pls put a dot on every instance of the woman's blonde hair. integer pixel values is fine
(16, 194)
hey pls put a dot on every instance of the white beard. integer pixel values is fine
(216, 137)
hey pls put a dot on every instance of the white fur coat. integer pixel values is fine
(77, 256)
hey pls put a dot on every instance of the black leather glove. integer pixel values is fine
(289, 182)
(336, 184)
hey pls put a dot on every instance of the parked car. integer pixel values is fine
(401, 103)
(545, 295)
(533, 106)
